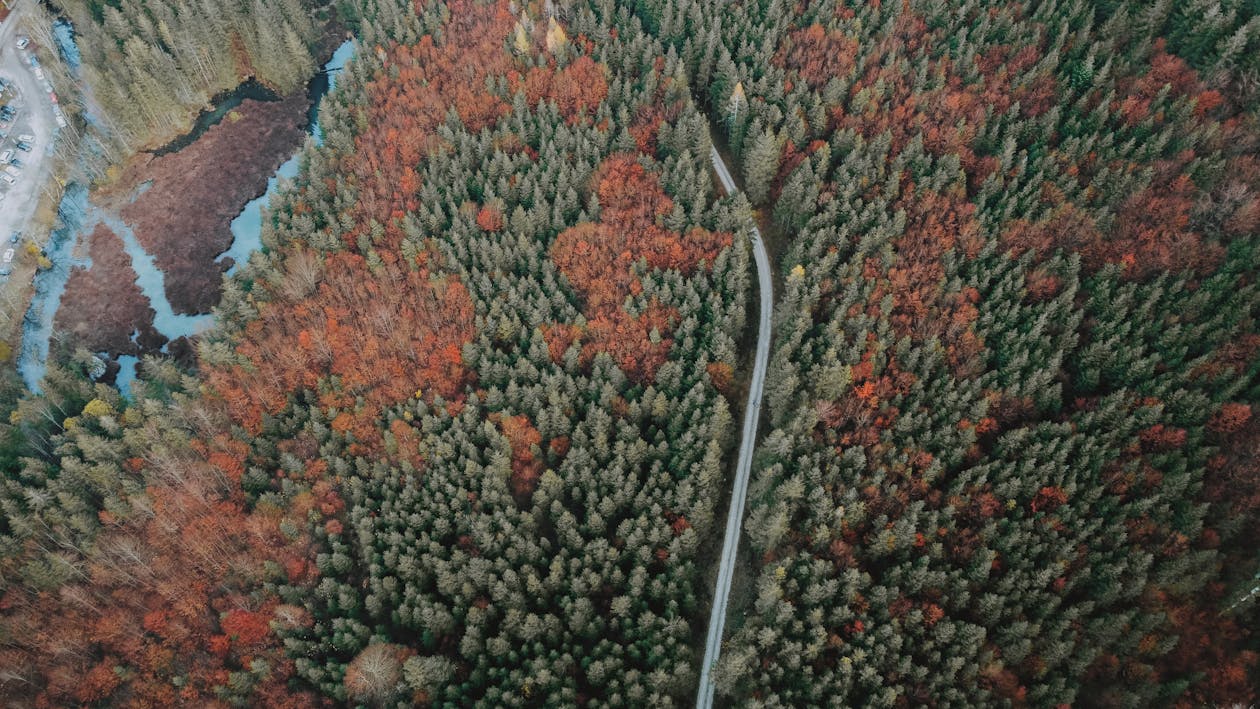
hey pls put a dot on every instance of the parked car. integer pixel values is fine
(7, 177)
(22, 42)
(17, 162)
(6, 156)
(26, 138)
(24, 147)
(15, 237)
(10, 170)
(8, 255)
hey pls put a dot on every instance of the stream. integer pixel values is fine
(77, 217)
(247, 227)
(63, 35)
(37, 326)
(222, 104)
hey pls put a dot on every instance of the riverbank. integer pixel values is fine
(157, 238)
(155, 233)
(126, 326)
(32, 206)
(182, 204)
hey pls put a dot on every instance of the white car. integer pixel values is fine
(5, 157)
(26, 138)
(8, 255)
(22, 42)
(7, 177)
(10, 170)
(39, 73)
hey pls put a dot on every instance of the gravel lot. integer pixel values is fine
(34, 117)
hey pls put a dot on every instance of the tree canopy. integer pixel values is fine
(463, 429)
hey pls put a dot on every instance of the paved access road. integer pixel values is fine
(34, 117)
(743, 467)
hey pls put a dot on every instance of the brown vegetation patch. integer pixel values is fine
(103, 306)
(184, 219)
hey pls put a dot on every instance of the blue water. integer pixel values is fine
(144, 187)
(67, 46)
(126, 374)
(63, 34)
(152, 283)
(247, 226)
(50, 284)
(77, 216)
(334, 67)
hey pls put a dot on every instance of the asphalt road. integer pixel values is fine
(34, 117)
(743, 467)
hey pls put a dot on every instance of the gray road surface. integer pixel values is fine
(743, 468)
(34, 117)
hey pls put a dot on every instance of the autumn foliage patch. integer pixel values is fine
(371, 341)
(599, 260)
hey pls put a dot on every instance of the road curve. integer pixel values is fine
(743, 468)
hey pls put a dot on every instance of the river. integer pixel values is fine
(247, 227)
(37, 326)
(220, 106)
(77, 217)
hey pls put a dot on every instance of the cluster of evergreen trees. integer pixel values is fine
(1015, 362)
(461, 431)
(460, 436)
(531, 540)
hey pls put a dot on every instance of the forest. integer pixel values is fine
(464, 431)
(1013, 452)
(461, 429)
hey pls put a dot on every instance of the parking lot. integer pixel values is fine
(15, 145)
(27, 124)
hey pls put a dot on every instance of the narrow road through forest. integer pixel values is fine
(743, 468)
